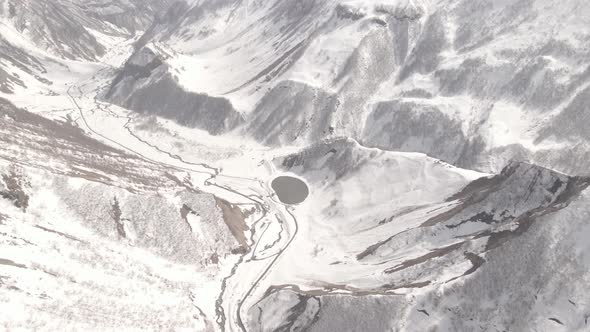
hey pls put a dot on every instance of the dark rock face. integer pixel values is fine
(133, 71)
(7, 82)
(409, 126)
(22, 60)
(292, 112)
(145, 85)
(64, 27)
(425, 57)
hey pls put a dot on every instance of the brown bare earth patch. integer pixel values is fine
(329, 289)
(419, 284)
(372, 249)
(235, 219)
(63, 148)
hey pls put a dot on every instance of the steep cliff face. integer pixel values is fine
(292, 113)
(502, 71)
(146, 85)
(79, 29)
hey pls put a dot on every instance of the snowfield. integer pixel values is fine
(443, 143)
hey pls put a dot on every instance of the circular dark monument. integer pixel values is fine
(290, 190)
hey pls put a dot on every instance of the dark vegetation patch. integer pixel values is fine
(15, 184)
(116, 215)
(349, 13)
(293, 161)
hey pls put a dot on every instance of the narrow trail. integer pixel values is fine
(263, 204)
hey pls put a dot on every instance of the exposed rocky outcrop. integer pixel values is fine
(68, 28)
(145, 85)
(292, 112)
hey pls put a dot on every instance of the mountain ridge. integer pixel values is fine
(441, 147)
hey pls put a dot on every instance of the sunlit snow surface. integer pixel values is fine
(120, 210)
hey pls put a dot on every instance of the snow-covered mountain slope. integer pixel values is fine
(79, 29)
(45, 44)
(432, 205)
(505, 77)
(87, 223)
(386, 223)
(84, 255)
(440, 145)
(145, 84)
